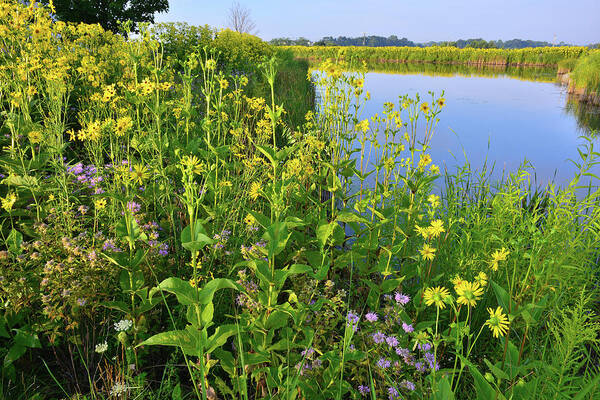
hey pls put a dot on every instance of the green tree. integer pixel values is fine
(109, 12)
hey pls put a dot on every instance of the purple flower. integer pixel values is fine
(408, 328)
(424, 347)
(163, 249)
(378, 337)
(401, 298)
(383, 363)
(81, 302)
(392, 341)
(133, 207)
(420, 366)
(402, 352)
(364, 390)
(308, 353)
(393, 393)
(352, 319)
(371, 317)
(408, 385)
(430, 358)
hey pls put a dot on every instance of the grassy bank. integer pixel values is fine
(542, 56)
(168, 235)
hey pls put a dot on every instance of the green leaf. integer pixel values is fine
(442, 391)
(27, 339)
(14, 353)
(218, 339)
(14, 241)
(269, 152)
(185, 293)
(348, 216)
(205, 296)
(324, 231)
(484, 390)
(277, 236)
(186, 339)
(593, 384)
(117, 305)
(502, 296)
(199, 240)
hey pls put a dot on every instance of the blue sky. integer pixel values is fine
(575, 21)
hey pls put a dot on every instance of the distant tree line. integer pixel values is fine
(393, 40)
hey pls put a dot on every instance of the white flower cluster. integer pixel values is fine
(118, 389)
(101, 347)
(123, 325)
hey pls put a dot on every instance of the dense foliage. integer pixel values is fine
(168, 235)
(108, 13)
(542, 56)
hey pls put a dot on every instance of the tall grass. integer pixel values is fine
(541, 56)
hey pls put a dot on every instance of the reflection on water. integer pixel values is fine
(492, 118)
(541, 74)
(587, 115)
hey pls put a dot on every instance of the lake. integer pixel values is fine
(504, 117)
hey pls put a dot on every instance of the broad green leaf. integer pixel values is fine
(199, 240)
(14, 353)
(186, 293)
(186, 339)
(442, 391)
(205, 296)
(276, 236)
(27, 339)
(502, 296)
(218, 339)
(14, 241)
(324, 231)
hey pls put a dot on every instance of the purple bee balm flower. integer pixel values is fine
(424, 347)
(371, 317)
(383, 363)
(407, 327)
(401, 298)
(364, 390)
(352, 319)
(392, 341)
(378, 337)
(163, 250)
(393, 393)
(133, 207)
(402, 352)
(408, 385)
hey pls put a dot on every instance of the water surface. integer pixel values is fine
(505, 120)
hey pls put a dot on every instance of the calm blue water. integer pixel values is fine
(504, 119)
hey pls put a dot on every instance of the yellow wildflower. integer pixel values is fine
(497, 256)
(498, 322)
(482, 278)
(441, 102)
(433, 200)
(425, 108)
(35, 137)
(468, 293)
(139, 174)
(100, 203)
(436, 228)
(427, 252)
(254, 191)
(438, 296)
(9, 201)
(424, 161)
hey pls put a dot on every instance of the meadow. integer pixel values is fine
(180, 219)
